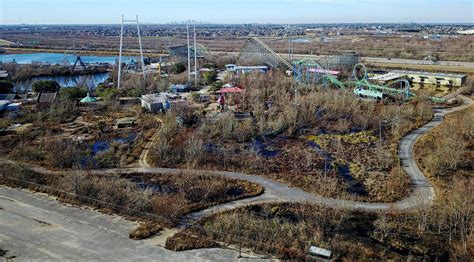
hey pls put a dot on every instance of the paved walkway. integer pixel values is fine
(71, 233)
(34, 227)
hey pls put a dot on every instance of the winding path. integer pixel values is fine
(421, 196)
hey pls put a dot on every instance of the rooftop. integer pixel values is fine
(387, 77)
(405, 72)
(46, 97)
(159, 97)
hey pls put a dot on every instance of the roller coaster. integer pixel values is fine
(311, 72)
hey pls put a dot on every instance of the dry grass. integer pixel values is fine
(145, 230)
(160, 199)
(225, 143)
(288, 230)
(447, 151)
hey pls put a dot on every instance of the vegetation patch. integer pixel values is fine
(288, 230)
(274, 142)
(160, 201)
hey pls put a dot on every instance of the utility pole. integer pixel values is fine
(120, 55)
(119, 81)
(189, 55)
(195, 59)
(141, 49)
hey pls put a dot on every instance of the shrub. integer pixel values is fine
(178, 68)
(145, 230)
(46, 86)
(107, 93)
(73, 93)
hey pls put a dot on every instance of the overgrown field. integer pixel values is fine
(288, 230)
(154, 198)
(324, 141)
(87, 138)
(455, 49)
(447, 152)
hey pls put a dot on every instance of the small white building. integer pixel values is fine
(158, 102)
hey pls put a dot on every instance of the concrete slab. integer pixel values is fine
(36, 227)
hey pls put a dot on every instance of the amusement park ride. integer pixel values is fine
(308, 72)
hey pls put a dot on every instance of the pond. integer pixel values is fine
(57, 58)
(90, 81)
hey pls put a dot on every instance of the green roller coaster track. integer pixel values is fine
(360, 85)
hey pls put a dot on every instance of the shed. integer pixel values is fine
(126, 122)
(153, 102)
(179, 88)
(321, 252)
(46, 98)
(158, 101)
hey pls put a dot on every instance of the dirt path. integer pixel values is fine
(143, 161)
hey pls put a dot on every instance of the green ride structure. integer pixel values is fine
(309, 72)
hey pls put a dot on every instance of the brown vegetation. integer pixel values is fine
(443, 232)
(160, 199)
(227, 143)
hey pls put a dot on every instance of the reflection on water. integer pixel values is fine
(88, 81)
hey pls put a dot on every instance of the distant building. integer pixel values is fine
(439, 79)
(466, 32)
(320, 252)
(240, 70)
(126, 122)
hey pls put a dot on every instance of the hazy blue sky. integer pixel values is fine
(236, 11)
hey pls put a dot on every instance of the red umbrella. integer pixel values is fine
(230, 90)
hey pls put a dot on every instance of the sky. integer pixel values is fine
(236, 11)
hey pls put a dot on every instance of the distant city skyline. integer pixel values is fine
(238, 11)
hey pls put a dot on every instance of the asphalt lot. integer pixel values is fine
(37, 227)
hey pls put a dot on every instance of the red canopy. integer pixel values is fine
(230, 90)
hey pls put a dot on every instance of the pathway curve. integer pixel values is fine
(421, 196)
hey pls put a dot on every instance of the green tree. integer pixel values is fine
(209, 77)
(178, 68)
(107, 93)
(6, 87)
(73, 93)
(48, 86)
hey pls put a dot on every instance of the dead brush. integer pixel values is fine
(145, 230)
